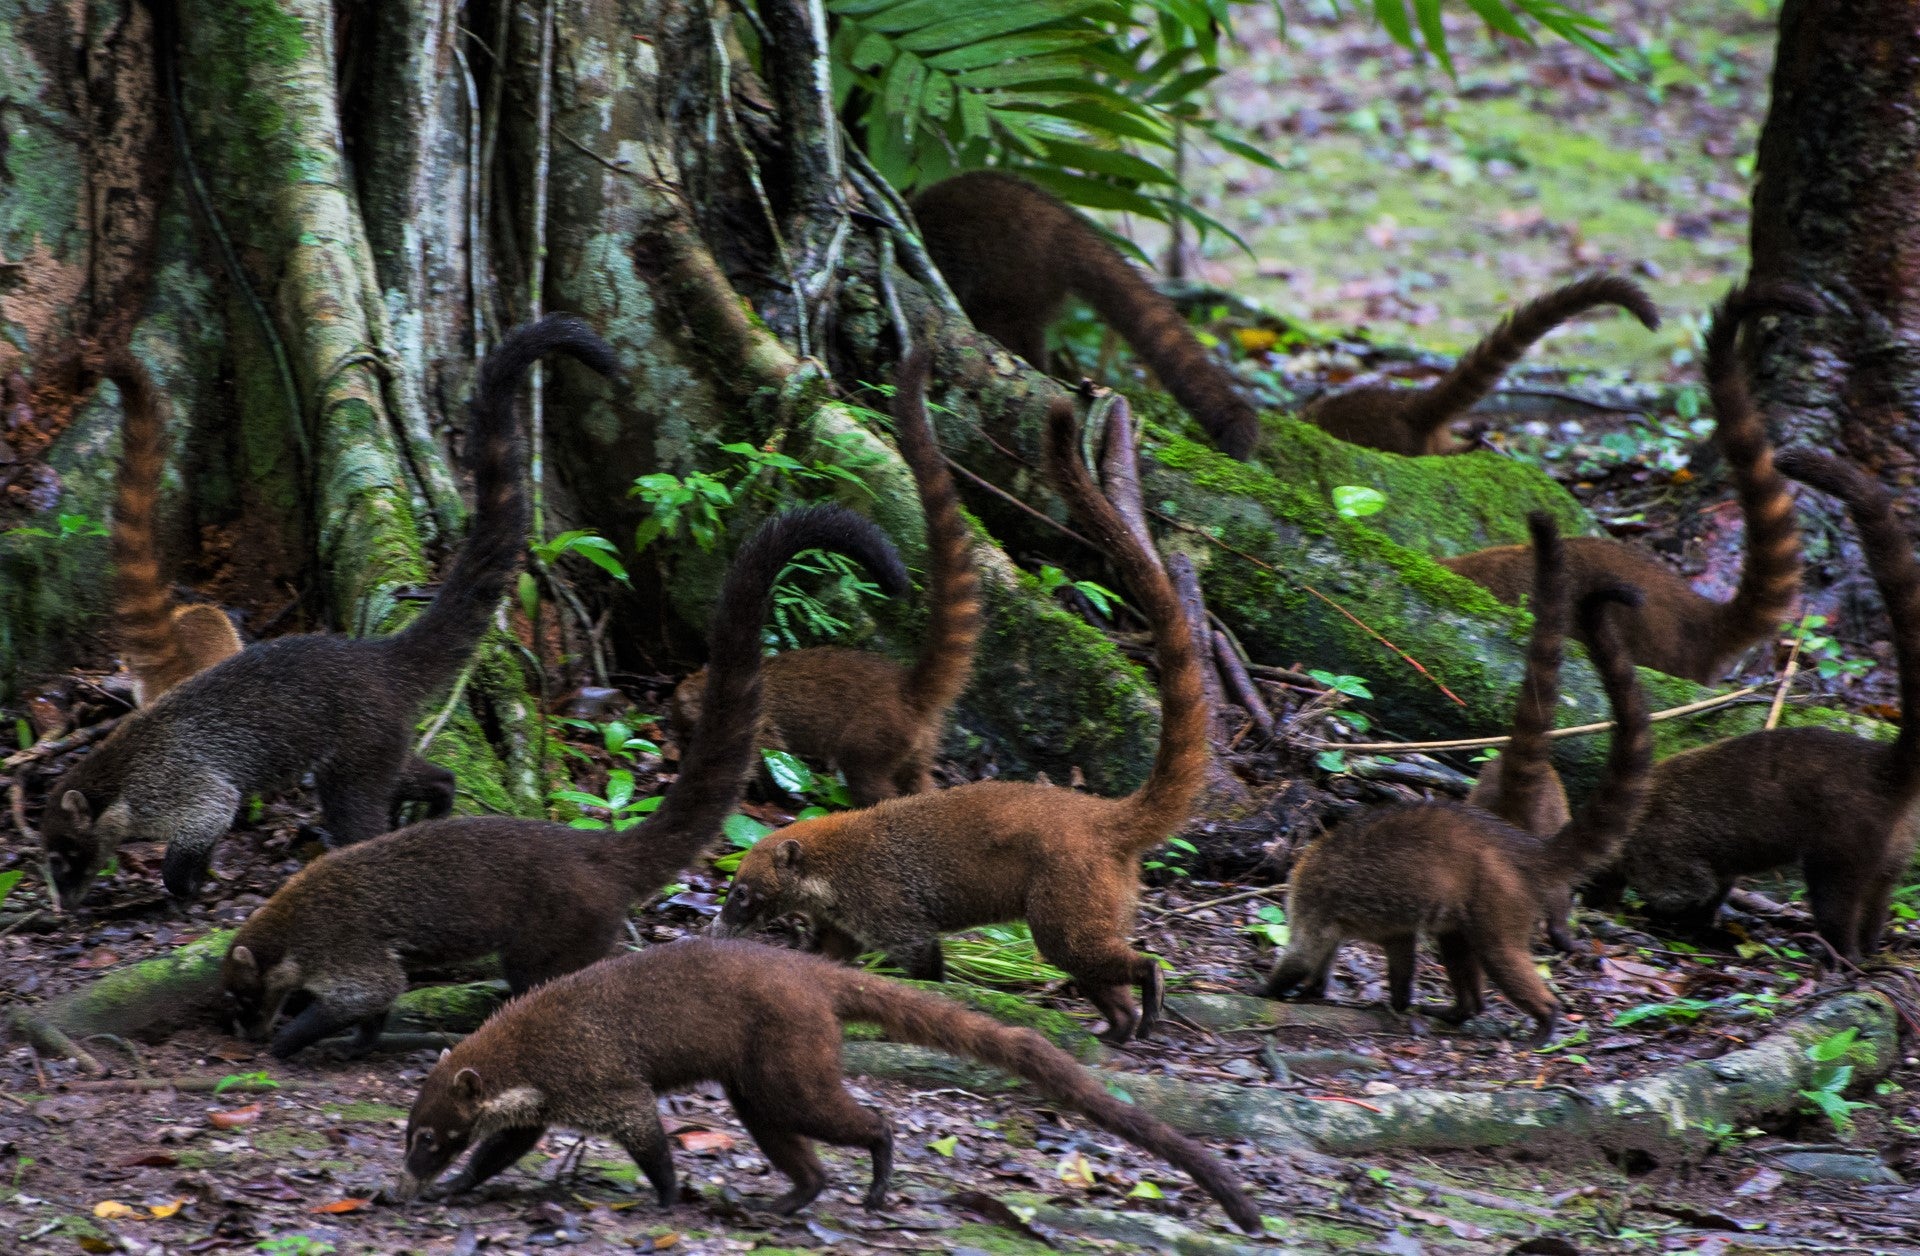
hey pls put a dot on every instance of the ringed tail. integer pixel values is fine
(1593, 836)
(1526, 765)
(143, 606)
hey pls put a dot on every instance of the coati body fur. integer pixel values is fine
(1836, 805)
(1676, 630)
(340, 707)
(1012, 253)
(595, 1050)
(1521, 786)
(876, 721)
(343, 932)
(161, 643)
(898, 875)
(1415, 420)
(1468, 880)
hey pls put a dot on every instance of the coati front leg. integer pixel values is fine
(1401, 961)
(497, 1152)
(426, 784)
(921, 960)
(359, 1003)
(192, 828)
(357, 797)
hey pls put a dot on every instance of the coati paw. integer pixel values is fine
(1542, 1033)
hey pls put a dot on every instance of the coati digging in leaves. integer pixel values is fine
(341, 707)
(1470, 881)
(596, 1049)
(1835, 804)
(886, 741)
(1676, 630)
(1414, 420)
(549, 899)
(1012, 252)
(896, 876)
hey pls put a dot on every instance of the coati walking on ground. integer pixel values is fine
(1835, 804)
(1472, 882)
(1012, 253)
(1676, 630)
(898, 875)
(595, 1050)
(1414, 420)
(161, 643)
(341, 707)
(549, 899)
(876, 721)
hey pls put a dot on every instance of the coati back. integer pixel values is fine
(162, 643)
(1012, 253)
(340, 707)
(1414, 420)
(1463, 877)
(885, 742)
(897, 875)
(1676, 630)
(763, 1023)
(1836, 805)
(344, 930)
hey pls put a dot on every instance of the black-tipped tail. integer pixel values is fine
(1592, 837)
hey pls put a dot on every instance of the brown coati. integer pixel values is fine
(341, 707)
(161, 643)
(342, 933)
(885, 741)
(1414, 420)
(896, 876)
(595, 1050)
(1468, 880)
(1012, 253)
(1835, 804)
(1676, 630)
(1521, 786)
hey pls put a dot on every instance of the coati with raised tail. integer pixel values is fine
(896, 876)
(887, 740)
(1676, 630)
(595, 1050)
(341, 707)
(1415, 420)
(1835, 804)
(161, 643)
(343, 932)
(1012, 253)
(1468, 880)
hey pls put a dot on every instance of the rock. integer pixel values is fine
(1864, 1168)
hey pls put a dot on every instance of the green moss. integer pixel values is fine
(283, 1142)
(995, 1239)
(453, 1009)
(366, 1112)
(1062, 1030)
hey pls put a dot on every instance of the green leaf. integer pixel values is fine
(7, 881)
(944, 1146)
(1427, 13)
(788, 772)
(744, 831)
(936, 102)
(1031, 52)
(1331, 760)
(987, 21)
(1833, 1046)
(619, 788)
(529, 590)
(1356, 501)
(1393, 16)
(1146, 1190)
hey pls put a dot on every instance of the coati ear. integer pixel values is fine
(444, 1053)
(787, 855)
(74, 803)
(241, 957)
(467, 1082)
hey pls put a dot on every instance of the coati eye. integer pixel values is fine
(423, 1138)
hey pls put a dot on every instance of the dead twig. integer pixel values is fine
(1786, 679)
(1577, 730)
(1242, 685)
(1262, 891)
(1015, 502)
(185, 1085)
(45, 1037)
(74, 740)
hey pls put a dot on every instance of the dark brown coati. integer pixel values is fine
(343, 932)
(595, 1050)
(1835, 804)
(1012, 253)
(896, 876)
(1676, 630)
(885, 740)
(162, 643)
(1471, 882)
(1414, 420)
(341, 707)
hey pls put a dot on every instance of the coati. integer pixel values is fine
(1463, 877)
(1414, 420)
(1676, 630)
(596, 1049)
(897, 875)
(1012, 253)
(162, 643)
(343, 932)
(886, 741)
(341, 707)
(1835, 804)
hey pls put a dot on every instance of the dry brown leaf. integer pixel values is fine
(236, 1118)
(163, 1211)
(703, 1141)
(342, 1205)
(113, 1210)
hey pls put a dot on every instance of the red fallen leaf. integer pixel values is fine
(1358, 1103)
(100, 958)
(148, 1160)
(343, 1205)
(236, 1118)
(703, 1141)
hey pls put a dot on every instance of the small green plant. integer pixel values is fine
(1356, 501)
(1751, 1005)
(1832, 1074)
(1334, 761)
(70, 526)
(7, 881)
(1103, 599)
(1829, 660)
(617, 736)
(823, 793)
(799, 615)
(1174, 861)
(742, 832)
(1270, 925)
(23, 733)
(622, 808)
(1352, 686)
(296, 1245)
(231, 1080)
(691, 505)
(591, 546)
(20, 1166)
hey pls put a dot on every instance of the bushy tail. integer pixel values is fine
(1890, 558)
(143, 606)
(713, 771)
(1150, 323)
(1770, 571)
(435, 646)
(1593, 836)
(1526, 765)
(929, 1021)
(1481, 367)
(1165, 802)
(953, 589)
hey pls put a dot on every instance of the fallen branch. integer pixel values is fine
(1237, 679)
(1576, 730)
(49, 1040)
(185, 1085)
(73, 740)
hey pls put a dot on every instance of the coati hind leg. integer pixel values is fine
(1875, 905)
(356, 798)
(1837, 894)
(817, 1108)
(1082, 937)
(193, 828)
(1510, 965)
(427, 784)
(1556, 910)
(497, 1152)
